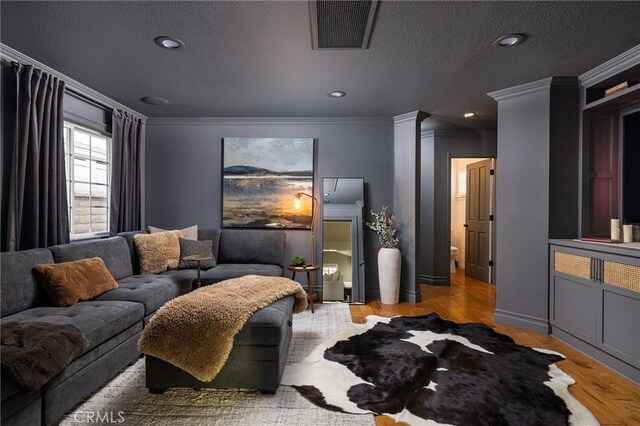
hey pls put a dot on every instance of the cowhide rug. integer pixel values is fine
(426, 370)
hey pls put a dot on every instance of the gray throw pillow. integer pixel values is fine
(190, 247)
(190, 233)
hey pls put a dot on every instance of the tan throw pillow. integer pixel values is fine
(68, 283)
(158, 252)
(190, 233)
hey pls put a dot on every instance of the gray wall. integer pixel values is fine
(533, 136)
(184, 175)
(437, 149)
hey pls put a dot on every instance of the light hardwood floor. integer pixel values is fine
(613, 399)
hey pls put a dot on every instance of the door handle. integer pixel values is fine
(592, 266)
(465, 225)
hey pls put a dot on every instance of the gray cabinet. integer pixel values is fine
(595, 297)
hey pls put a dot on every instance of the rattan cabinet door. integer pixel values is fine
(573, 293)
(619, 318)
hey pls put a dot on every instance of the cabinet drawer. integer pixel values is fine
(622, 275)
(572, 264)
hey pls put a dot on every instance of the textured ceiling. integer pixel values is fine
(254, 59)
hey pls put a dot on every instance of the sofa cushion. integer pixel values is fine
(68, 283)
(158, 252)
(189, 233)
(251, 246)
(98, 321)
(135, 262)
(113, 251)
(267, 326)
(214, 236)
(191, 248)
(19, 286)
(152, 291)
(227, 271)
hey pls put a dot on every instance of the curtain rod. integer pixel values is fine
(74, 93)
(10, 55)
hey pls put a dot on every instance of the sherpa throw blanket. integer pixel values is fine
(195, 332)
(33, 352)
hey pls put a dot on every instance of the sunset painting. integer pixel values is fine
(261, 178)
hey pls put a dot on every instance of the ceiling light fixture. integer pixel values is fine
(469, 114)
(169, 43)
(509, 40)
(337, 94)
(153, 100)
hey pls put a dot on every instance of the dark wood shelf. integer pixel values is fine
(622, 98)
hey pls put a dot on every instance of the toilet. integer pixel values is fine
(454, 253)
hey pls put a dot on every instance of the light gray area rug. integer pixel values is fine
(127, 401)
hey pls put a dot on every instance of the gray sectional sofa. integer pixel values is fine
(112, 323)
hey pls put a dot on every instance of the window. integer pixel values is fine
(329, 268)
(88, 169)
(462, 182)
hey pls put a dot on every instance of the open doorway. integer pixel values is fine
(472, 218)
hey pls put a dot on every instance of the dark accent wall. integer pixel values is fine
(437, 149)
(536, 193)
(184, 175)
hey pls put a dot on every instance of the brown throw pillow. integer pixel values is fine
(158, 252)
(68, 283)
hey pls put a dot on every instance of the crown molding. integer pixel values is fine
(418, 116)
(282, 121)
(457, 132)
(523, 89)
(9, 54)
(612, 67)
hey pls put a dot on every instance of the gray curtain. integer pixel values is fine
(127, 138)
(37, 214)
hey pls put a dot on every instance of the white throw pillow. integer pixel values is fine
(190, 233)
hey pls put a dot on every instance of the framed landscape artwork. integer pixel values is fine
(261, 177)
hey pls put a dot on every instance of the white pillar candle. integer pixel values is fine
(627, 233)
(615, 229)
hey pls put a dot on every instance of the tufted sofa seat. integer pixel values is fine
(151, 291)
(98, 321)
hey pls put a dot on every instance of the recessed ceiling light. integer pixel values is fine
(169, 43)
(337, 94)
(326, 194)
(469, 114)
(153, 100)
(509, 40)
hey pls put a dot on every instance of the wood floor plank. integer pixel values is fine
(613, 399)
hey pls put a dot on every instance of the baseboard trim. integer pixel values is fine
(440, 280)
(527, 322)
(598, 355)
(411, 296)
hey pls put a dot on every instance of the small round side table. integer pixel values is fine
(198, 258)
(308, 269)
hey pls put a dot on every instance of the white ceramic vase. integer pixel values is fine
(389, 262)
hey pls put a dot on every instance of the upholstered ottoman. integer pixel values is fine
(256, 361)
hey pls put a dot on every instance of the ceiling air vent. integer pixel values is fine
(342, 24)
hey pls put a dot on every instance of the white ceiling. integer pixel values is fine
(254, 59)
